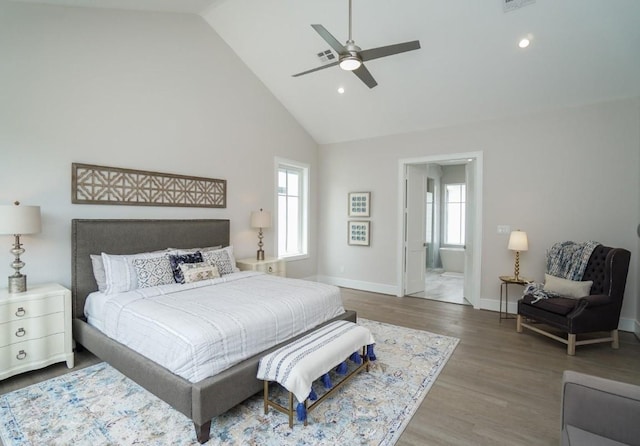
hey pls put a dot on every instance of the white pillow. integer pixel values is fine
(567, 288)
(194, 272)
(120, 272)
(98, 272)
(181, 251)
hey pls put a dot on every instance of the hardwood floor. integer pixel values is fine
(498, 388)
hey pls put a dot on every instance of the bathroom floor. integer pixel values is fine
(444, 287)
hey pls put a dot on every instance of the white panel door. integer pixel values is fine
(415, 224)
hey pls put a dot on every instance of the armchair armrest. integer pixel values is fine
(598, 411)
(596, 300)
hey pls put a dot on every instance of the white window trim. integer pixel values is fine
(446, 215)
(304, 237)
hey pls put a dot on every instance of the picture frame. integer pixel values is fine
(359, 204)
(358, 232)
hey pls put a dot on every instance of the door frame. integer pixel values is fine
(475, 276)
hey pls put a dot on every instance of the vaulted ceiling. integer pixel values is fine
(469, 68)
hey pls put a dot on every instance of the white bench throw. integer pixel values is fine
(296, 365)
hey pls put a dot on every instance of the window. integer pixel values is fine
(293, 202)
(454, 215)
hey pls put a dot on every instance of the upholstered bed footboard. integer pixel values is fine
(200, 401)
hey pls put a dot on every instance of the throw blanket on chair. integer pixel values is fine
(565, 259)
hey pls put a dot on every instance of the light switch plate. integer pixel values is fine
(504, 229)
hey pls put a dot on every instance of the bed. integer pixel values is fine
(201, 400)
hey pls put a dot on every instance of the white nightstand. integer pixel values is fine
(35, 329)
(268, 265)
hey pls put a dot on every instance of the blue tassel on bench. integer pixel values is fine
(355, 357)
(313, 395)
(370, 353)
(301, 411)
(342, 368)
(326, 380)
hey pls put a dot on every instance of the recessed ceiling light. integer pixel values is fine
(524, 43)
(340, 90)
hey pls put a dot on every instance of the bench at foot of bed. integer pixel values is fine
(298, 364)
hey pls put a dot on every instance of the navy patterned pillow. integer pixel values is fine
(177, 260)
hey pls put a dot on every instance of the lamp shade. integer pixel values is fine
(19, 220)
(261, 219)
(518, 241)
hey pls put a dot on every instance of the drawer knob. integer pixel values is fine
(271, 269)
(20, 312)
(20, 333)
(21, 355)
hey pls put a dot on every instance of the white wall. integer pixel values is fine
(151, 91)
(569, 174)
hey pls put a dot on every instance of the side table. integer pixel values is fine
(505, 281)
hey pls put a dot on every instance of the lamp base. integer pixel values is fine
(17, 284)
(260, 254)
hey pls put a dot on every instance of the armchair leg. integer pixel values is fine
(615, 339)
(519, 324)
(571, 345)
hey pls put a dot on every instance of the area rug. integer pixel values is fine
(99, 406)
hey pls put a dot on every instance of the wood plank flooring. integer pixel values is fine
(498, 388)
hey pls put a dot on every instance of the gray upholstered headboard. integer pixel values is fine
(130, 237)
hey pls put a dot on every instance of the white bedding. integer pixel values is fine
(199, 329)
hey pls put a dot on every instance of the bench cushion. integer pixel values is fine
(296, 365)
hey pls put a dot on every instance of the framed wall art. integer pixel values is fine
(92, 184)
(358, 232)
(359, 204)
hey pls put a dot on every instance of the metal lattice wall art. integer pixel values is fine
(111, 185)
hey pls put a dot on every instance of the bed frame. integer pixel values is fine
(200, 401)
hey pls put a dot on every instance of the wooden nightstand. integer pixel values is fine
(35, 329)
(268, 265)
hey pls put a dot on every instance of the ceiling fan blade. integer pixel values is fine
(389, 50)
(365, 76)
(332, 41)
(332, 64)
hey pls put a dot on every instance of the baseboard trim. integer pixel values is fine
(359, 285)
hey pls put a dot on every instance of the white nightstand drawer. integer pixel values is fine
(30, 353)
(31, 328)
(269, 266)
(28, 308)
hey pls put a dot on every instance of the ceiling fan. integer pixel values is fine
(351, 56)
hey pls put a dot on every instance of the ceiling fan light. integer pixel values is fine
(350, 63)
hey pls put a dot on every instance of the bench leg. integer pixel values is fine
(266, 397)
(291, 410)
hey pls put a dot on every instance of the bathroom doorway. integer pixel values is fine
(451, 225)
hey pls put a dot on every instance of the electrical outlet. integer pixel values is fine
(504, 229)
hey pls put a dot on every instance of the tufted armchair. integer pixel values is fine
(597, 312)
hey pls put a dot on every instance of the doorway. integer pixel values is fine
(440, 221)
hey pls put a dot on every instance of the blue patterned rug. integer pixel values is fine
(99, 406)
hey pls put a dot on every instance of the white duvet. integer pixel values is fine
(200, 329)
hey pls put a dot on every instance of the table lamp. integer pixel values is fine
(260, 220)
(518, 242)
(19, 220)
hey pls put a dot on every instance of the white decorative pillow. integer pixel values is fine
(195, 272)
(120, 272)
(153, 272)
(567, 288)
(98, 272)
(223, 259)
